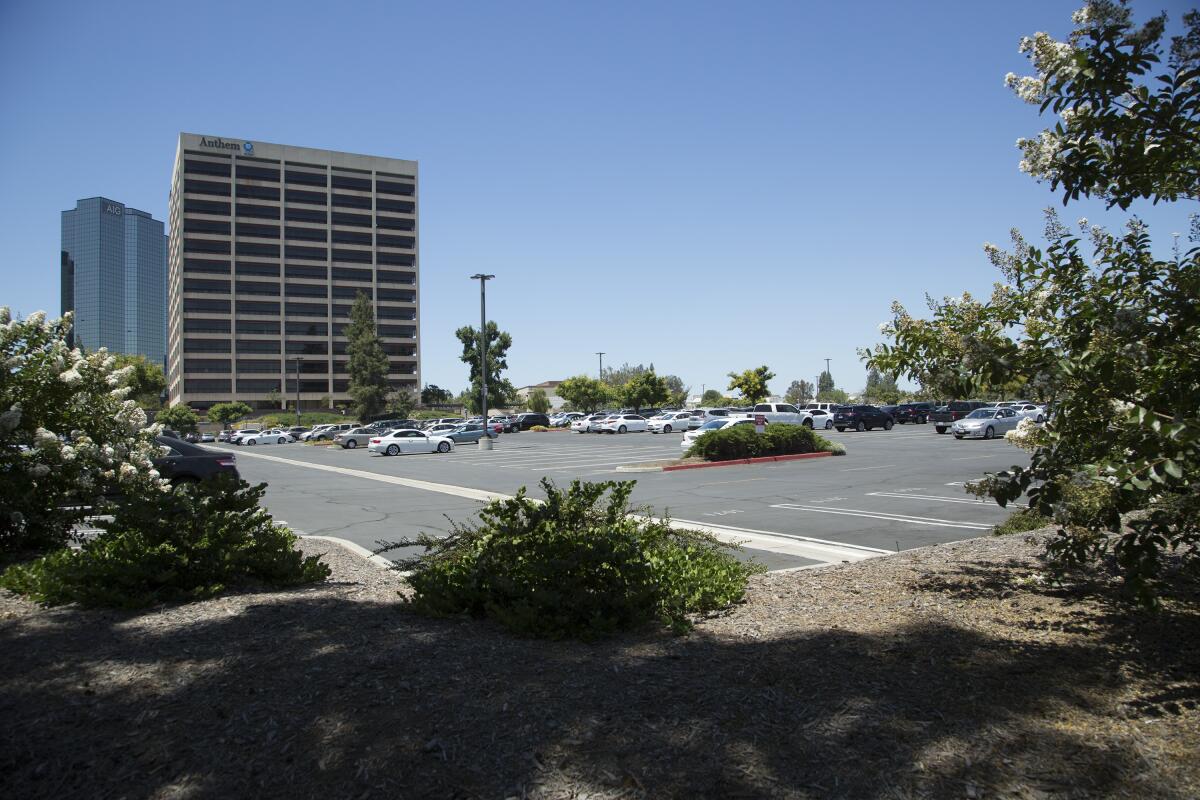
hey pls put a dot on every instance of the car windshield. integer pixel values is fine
(716, 423)
(982, 413)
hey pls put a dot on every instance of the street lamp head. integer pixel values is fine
(479, 276)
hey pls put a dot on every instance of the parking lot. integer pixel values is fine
(894, 490)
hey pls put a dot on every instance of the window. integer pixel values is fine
(393, 349)
(305, 310)
(396, 241)
(206, 226)
(301, 196)
(312, 253)
(406, 368)
(391, 276)
(258, 192)
(257, 307)
(351, 201)
(395, 223)
(258, 385)
(789, 409)
(308, 348)
(312, 387)
(210, 306)
(258, 249)
(306, 290)
(192, 166)
(206, 326)
(205, 265)
(403, 295)
(257, 287)
(263, 231)
(206, 345)
(351, 237)
(339, 348)
(246, 268)
(305, 234)
(354, 256)
(394, 187)
(341, 387)
(350, 292)
(346, 218)
(206, 385)
(219, 365)
(257, 365)
(341, 311)
(295, 328)
(311, 366)
(395, 313)
(304, 271)
(346, 182)
(205, 246)
(387, 204)
(351, 274)
(193, 186)
(257, 173)
(193, 206)
(395, 259)
(264, 327)
(305, 178)
(257, 212)
(306, 215)
(403, 331)
(209, 286)
(257, 346)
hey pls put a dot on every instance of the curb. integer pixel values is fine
(740, 461)
(357, 549)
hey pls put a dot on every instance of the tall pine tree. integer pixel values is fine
(368, 363)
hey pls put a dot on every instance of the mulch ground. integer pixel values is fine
(952, 671)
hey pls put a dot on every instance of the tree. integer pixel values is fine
(644, 391)
(584, 393)
(1122, 134)
(825, 382)
(838, 396)
(799, 392)
(368, 362)
(146, 380)
(226, 414)
(432, 394)
(401, 403)
(712, 398)
(1112, 339)
(500, 391)
(880, 388)
(619, 376)
(752, 383)
(538, 402)
(677, 392)
(179, 418)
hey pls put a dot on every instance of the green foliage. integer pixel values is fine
(1026, 519)
(645, 390)
(833, 396)
(880, 389)
(578, 565)
(183, 544)
(616, 377)
(179, 418)
(584, 393)
(286, 420)
(500, 391)
(742, 441)
(825, 383)
(538, 401)
(714, 399)
(400, 404)
(433, 394)
(368, 362)
(225, 414)
(146, 381)
(799, 392)
(752, 383)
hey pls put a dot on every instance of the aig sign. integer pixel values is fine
(112, 208)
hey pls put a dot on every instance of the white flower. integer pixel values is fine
(39, 470)
(5, 315)
(71, 377)
(10, 419)
(128, 472)
(883, 327)
(36, 318)
(44, 439)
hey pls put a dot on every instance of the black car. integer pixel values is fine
(526, 421)
(861, 418)
(917, 413)
(182, 461)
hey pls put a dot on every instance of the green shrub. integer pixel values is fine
(577, 565)
(742, 441)
(184, 544)
(1027, 519)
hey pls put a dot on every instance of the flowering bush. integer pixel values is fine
(68, 433)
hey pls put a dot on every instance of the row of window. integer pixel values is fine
(211, 286)
(262, 386)
(223, 247)
(337, 181)
(245, 268)
(223, 366)
(291, 214)
(272, 346)
(224, 228)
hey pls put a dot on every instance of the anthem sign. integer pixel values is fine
(220, 144)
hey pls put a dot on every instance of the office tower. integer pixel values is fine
(113, 266)
(269, 247)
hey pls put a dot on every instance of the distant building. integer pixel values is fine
(549, 388)
(113, 269)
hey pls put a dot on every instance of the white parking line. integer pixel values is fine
(978, 501)
(857, 512)
(860, 469)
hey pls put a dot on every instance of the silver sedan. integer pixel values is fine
(986, 423)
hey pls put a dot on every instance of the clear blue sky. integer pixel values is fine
(705, 186)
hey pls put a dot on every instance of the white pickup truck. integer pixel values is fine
(781, 414)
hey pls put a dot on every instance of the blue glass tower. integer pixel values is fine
(114, 277)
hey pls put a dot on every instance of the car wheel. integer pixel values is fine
(958, 436)
(807, 423)
(828, 424)
(860, 427)
(667, 428)
(989, 433)
(1040, 419)
(351, 444)
(281, 440)
(622, 429)
(252, 442)
(922, 421)
(840, 429)
(887, 425)
(941, 430)
(393, 450)
(443, 447)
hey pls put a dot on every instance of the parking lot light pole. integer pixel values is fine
(297, 391)
(485, 441)
(601, 365)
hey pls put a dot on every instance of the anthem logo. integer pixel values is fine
(221, 144)
(248, 147)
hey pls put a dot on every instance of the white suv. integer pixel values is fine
(703, 415)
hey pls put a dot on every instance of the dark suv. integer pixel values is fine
(526, 421)
(917, 413)
(861, 418)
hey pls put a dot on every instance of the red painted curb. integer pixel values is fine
(733, 462)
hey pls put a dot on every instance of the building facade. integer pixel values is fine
(270, 245)
(114, 277)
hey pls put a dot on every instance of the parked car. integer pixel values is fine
(890, 410)
(239, 435)
(328, 432)
(821, 419)
(407, 440)
(269, 436)
(359, 437)
(830, 407)
(207, 438)
(526, 421)
(1031, 411)
(224, 436)
(584, 424)
(296, 431)
(917, 413)
(181, 461)
(720, 423)
(468, 432)
(861, 418)
(595, 425)
(311, 435)
(703, 415)
(778, 413)
(669, 421)
(947, 415)
(985, 423)
(624, 423)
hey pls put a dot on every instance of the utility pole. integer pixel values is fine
(485, 441)
(297, 391)
(601, 365)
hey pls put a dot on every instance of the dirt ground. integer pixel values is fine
(951, 671)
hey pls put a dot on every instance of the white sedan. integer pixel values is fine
(273, 436)
(670, 421)
(690, 437)
(623, 423)
(1030, 411)
(407, 440)
(820, 418)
